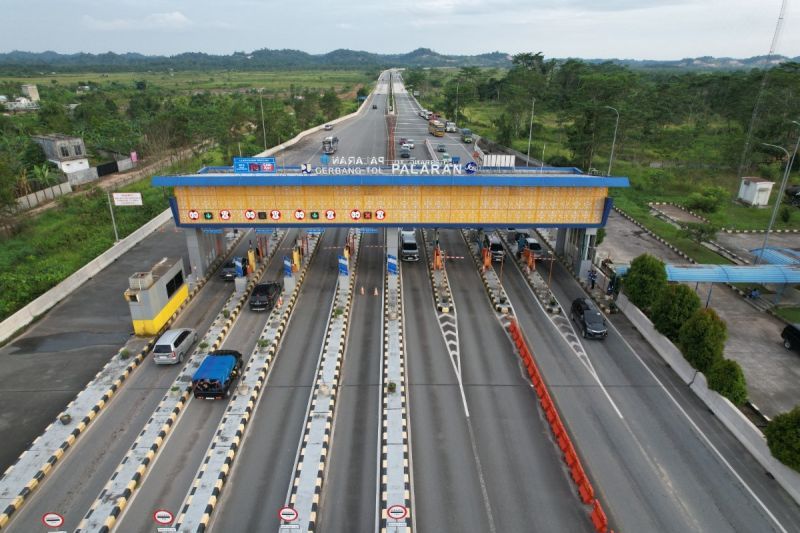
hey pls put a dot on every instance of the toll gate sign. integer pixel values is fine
(254, 165)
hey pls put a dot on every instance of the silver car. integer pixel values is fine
(173, 346)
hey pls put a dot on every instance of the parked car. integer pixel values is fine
(328, 127)
(410, 143)
(405, 153)
(441, 148)
(265, 295)
(228, 270)
(791, 337)
(589, 319)
(173, 346)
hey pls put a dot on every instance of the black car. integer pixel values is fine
(228, 270)
(265, 295)
(374, 106)
(589, 319)
(791, 337)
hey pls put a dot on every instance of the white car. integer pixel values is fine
(410, 143)
(328, 127)
(446, 158)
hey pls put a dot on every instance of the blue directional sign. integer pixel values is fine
(212, 230)
(455, 159)
(391, 263)
(264, 230)
(343, 270)
(254, 164)
(237, 262)
(287, 266)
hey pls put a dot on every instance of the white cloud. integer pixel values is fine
(155, 21)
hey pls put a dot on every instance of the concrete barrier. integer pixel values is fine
(43, 303)
(732, 418)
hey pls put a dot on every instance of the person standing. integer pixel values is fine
(592, 277)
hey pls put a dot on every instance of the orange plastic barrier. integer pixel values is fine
(599, 520)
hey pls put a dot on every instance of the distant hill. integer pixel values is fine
(31, 62)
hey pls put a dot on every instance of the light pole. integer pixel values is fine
(616, 125)
(530, 132)
(457, 83)
(789, 161)
(263, 129)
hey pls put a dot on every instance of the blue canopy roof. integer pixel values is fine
(777, 256)
(729, 273)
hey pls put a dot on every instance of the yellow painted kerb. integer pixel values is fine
(151, 327)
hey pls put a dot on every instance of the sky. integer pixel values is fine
(624, 29)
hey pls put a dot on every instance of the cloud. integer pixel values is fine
(155, 21)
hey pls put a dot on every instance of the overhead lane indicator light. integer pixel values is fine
(330, 214)
(194, 214)
(355, 214)
(299, 214)
(314, 215)
(380, 214)
(208, 215)
(225, 214)
(275, 214)
(250, 214)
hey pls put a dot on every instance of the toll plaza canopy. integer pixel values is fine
(781, 274)
(403, 193)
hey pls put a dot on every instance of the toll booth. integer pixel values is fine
(155, 295)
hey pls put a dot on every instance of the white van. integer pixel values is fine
(173, 346)
(409, 251)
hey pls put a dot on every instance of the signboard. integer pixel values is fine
(397, 512)
(287, 514)
(287, 266)
(254, 164)
(127, 198)
(163, 517)
(343, 270)
(391, 263)
(52, 520)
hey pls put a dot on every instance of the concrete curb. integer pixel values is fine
(22, 318)
(59, 452)
(494, 289)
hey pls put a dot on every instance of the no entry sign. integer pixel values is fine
(163, 517)
(52, 520)
(287, 514)
(397, 512)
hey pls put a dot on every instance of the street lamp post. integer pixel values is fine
(457, 83)
(789, 161)
(614, 142)
(263, 128)
(530, 132)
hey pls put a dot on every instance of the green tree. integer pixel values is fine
(601, 235)
(330, 104)
(674, 306)
(783, 438)
(54, 119)
(726, 377)
(645, 280)
(698, 232)
(702, 339)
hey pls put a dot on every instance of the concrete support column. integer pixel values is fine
(588, 237)
(203, 249)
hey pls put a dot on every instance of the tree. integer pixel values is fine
(645, 280)
(726, 377)
(702, 339)
(330, 104)
(783, 438)
(698, 232)
(674, 306)
(601, 235)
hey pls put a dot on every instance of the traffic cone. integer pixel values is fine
(280, 301)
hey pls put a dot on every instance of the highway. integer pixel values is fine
(481, 452)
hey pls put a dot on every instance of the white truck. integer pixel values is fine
(330, 144)
(450, 127)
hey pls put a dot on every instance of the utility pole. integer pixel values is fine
(614, 142)
(263, 128)
(530, 132)
(789, 161)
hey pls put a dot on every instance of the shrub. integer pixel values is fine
(673, 307)
(783, 438)
(702, 339)
(645, 280)
(726, 377)
(786, 214)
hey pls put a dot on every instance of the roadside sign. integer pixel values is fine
(392, 263)
(163, 517)
(343, 270)
(254, 164)
(287, 266)
(397, 512)
(127, 198)
(52, 520)
(287, 514)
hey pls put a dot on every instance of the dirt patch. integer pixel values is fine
(677, 214)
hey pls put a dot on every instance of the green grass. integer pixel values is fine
(789, 314)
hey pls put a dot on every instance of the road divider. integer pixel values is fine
(128, 476)
(29, 471)
(309, 471)
(199, 504)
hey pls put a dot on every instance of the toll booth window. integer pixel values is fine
(174, 284)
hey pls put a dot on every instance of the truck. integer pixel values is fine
(215, 376)
(450, 127)
(436, 128)
(330, 144)
(466, 135)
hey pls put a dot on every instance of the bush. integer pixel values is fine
(702, 339)
(673, 307)
(785, 214)
(783, 438)
(726, 377)
(645, 280)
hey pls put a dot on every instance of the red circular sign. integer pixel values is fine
(355, 214)
(299, 214)
(194, 214)
(225, 214)
(330, 214)
(397, 512)
(380, 214)
(275, 214)
(52, 520)
(163, 517)
(250, 214)
(287, 514)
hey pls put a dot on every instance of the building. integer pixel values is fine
(31, 91)
(69, 153)
(20, 103)
(755, 191)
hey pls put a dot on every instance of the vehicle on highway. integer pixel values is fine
(450, 127)
(436, 128)
(441, 148)
(525, 242)
(466, 135)
(446, 158)
(401, 140)
(328, 127)
(215, 376)
(374, 106)
(409, 251)
(405, 153)
(495, 247)
(173, 346)
(330, 145)
(228, 270)
(265, 295)
(589, 319)
(410, 143)
(791, 337)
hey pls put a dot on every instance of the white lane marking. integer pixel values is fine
(484, 492)
(700, 432)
